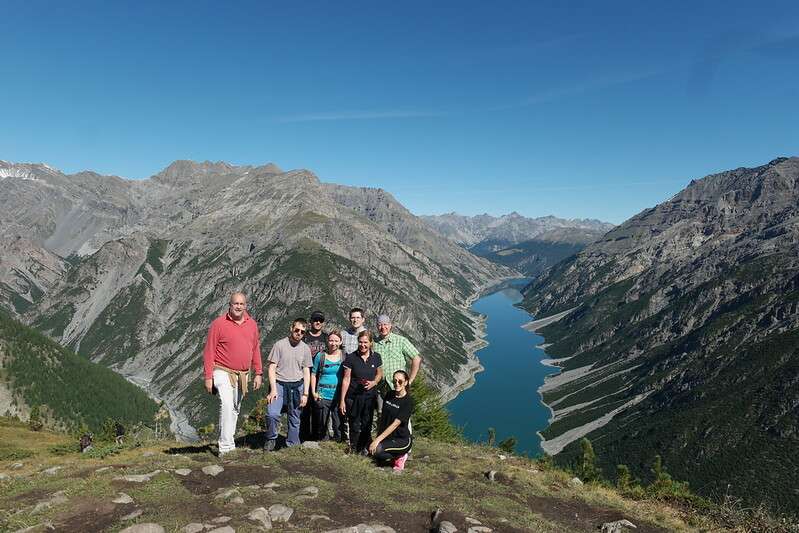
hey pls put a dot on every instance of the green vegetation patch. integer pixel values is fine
(57, 321)
(114, 334)
(75, 391)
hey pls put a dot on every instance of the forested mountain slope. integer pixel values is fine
(69, 390)
(683, 337)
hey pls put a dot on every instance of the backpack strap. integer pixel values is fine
(320, 367)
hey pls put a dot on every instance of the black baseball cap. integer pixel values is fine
(317, 315)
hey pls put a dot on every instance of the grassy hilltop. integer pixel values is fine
(44, 483)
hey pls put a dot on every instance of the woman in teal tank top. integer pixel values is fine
(325, 384)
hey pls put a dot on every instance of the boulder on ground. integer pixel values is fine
(280, 513)
(617, 527)
(447, 527)
(144, 528)
(213, 470)
(122, 498)
(261, 515)
(138, 478)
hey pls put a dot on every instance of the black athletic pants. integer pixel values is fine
(391, 448)
(360, 411)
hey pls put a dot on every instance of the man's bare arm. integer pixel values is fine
(416, 364)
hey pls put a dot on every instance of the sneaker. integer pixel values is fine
(399, 462)
(269, 446)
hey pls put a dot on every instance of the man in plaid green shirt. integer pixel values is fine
(396, 352)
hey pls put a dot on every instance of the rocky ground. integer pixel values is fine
(168, 486)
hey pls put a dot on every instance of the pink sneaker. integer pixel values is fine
(399, 462)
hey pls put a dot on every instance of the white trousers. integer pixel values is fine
(228, 410)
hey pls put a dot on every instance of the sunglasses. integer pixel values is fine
(399, 381)
(298, 330)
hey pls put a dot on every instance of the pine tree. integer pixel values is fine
(161, 418)
(624, 479)
(508, 445)
(587, 469)
(663, 486)
(108, 431)
(430, 417)
(35, 420)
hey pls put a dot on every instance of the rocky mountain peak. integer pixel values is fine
(269, 168)
(776, 180)
(29, 171)
(184, 170)
(507, 229)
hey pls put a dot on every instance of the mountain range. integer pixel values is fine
(129, 273)
(679, 335)
(528, 245)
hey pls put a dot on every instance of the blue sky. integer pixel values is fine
(577, 109)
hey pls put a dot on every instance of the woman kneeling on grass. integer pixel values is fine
(394, 441)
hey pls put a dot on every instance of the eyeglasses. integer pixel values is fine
(298, 330)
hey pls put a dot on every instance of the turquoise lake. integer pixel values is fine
(505, 395)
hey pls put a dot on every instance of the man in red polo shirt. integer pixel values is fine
(232, 348)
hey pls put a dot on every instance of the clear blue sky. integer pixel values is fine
(594, 109)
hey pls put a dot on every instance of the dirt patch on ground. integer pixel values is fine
(581, 516)
(359, 512)
(199, 483)
(83, 473)
(31, 497)
(322, 472)
(92, 515)
(341, 516)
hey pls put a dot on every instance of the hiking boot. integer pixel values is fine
(399, 462)
(269, 446)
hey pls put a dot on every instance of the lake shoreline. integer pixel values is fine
(505, 354)
(464, 377)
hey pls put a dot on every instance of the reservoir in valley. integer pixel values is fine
(505, 395)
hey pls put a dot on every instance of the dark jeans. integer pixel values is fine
(286, 400)
(325, 410)
(391, 448)
(360, 411)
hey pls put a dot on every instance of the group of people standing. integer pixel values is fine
(329, 384)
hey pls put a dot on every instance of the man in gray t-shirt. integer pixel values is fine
(288, 368)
